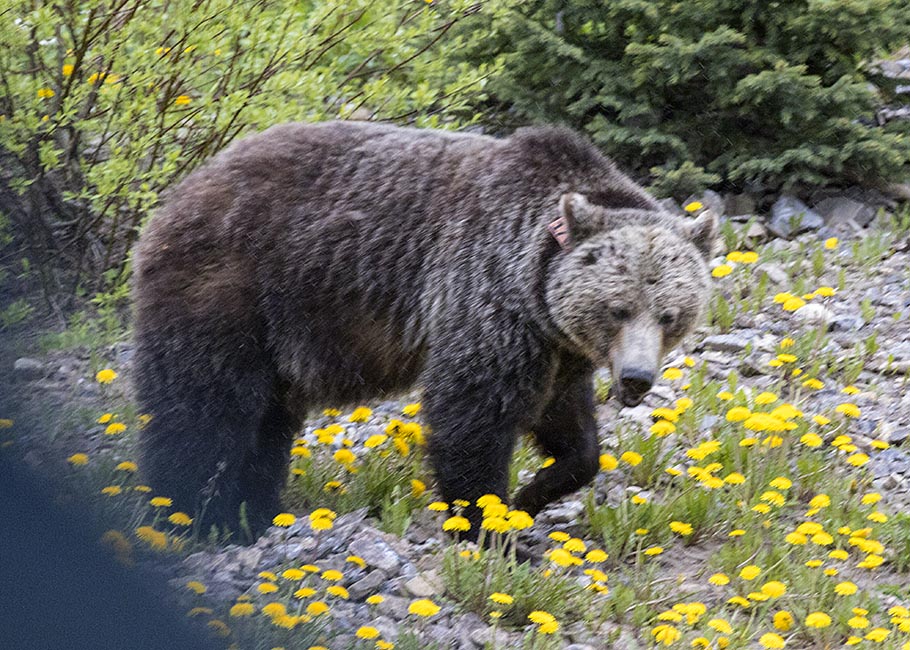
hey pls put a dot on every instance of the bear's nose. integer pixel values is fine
(636, 381)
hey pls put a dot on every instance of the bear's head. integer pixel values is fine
(627, 286)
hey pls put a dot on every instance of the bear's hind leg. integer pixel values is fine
(567, 431)
(265, 469)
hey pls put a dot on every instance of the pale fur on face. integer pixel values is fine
(631, 284)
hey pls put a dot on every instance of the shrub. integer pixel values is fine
(735, 94)
(104, 104)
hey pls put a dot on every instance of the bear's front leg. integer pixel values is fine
(480, 390)
(567, 431)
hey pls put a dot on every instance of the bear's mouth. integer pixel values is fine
(630, 399)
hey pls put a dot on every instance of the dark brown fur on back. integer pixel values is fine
(325, 264)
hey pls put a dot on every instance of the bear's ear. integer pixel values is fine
(702, 232)
(575, 222)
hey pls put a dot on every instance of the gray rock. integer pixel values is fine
(28, 369)
(726, 343)
(394, 606)
(710, 199)
(846, 323)
(484, 637)
(375, 551)
(790, 216)
(775, 272)
(425, 585)
(567, 511)
(367, 585)
(890, 461)
(739, 204)
(841, 210)
(814, 315)
(670, 206)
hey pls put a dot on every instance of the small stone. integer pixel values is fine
(367, 585)
(567, 511)
(394, 606)
(27, 369)
(845, 323)
(425, 585)
(725, 343)
(814, 315)
(775, 272)
(790, 216)
(375, 551)
(485, 637)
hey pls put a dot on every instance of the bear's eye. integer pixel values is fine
(589, 258)
(666, 319)
(620, 313)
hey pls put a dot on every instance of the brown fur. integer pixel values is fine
(326, 264)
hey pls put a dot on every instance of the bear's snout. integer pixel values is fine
(634, 384)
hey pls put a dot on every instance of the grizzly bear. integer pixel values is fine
(329, 263)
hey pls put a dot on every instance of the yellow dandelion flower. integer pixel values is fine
(266, 588)
(111, 490)
(681, 528)
(793, 303)
(848, 409)
(423, 607)
(719, 579)
(693, 206)
(672, 374)
(772, 641)
(750, 572)
(196, 587)
(317, 608)
(501, 598)
(631, 457)
(608, 462)
(720, 625)
(818, 620)
(180, 519)
(666, 634)
(375, 440)
(375, 599)
(284, 520)
(105, 376)
(878, 634)
(338, 591)
(845, 588)
(160, 502)
(456, 524)
(738, 414)
(360, 414)
(774, 589)
(721, 271)
(858, 460)
(332, 575)
(831, 243)
(662, 428)
(304, 592)
(77, 460)
(595, 556)
(240, 610)
(811, 440)
(783, 620)
(366, 632)
(654, 550)
(114, 428)
(548, 628)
